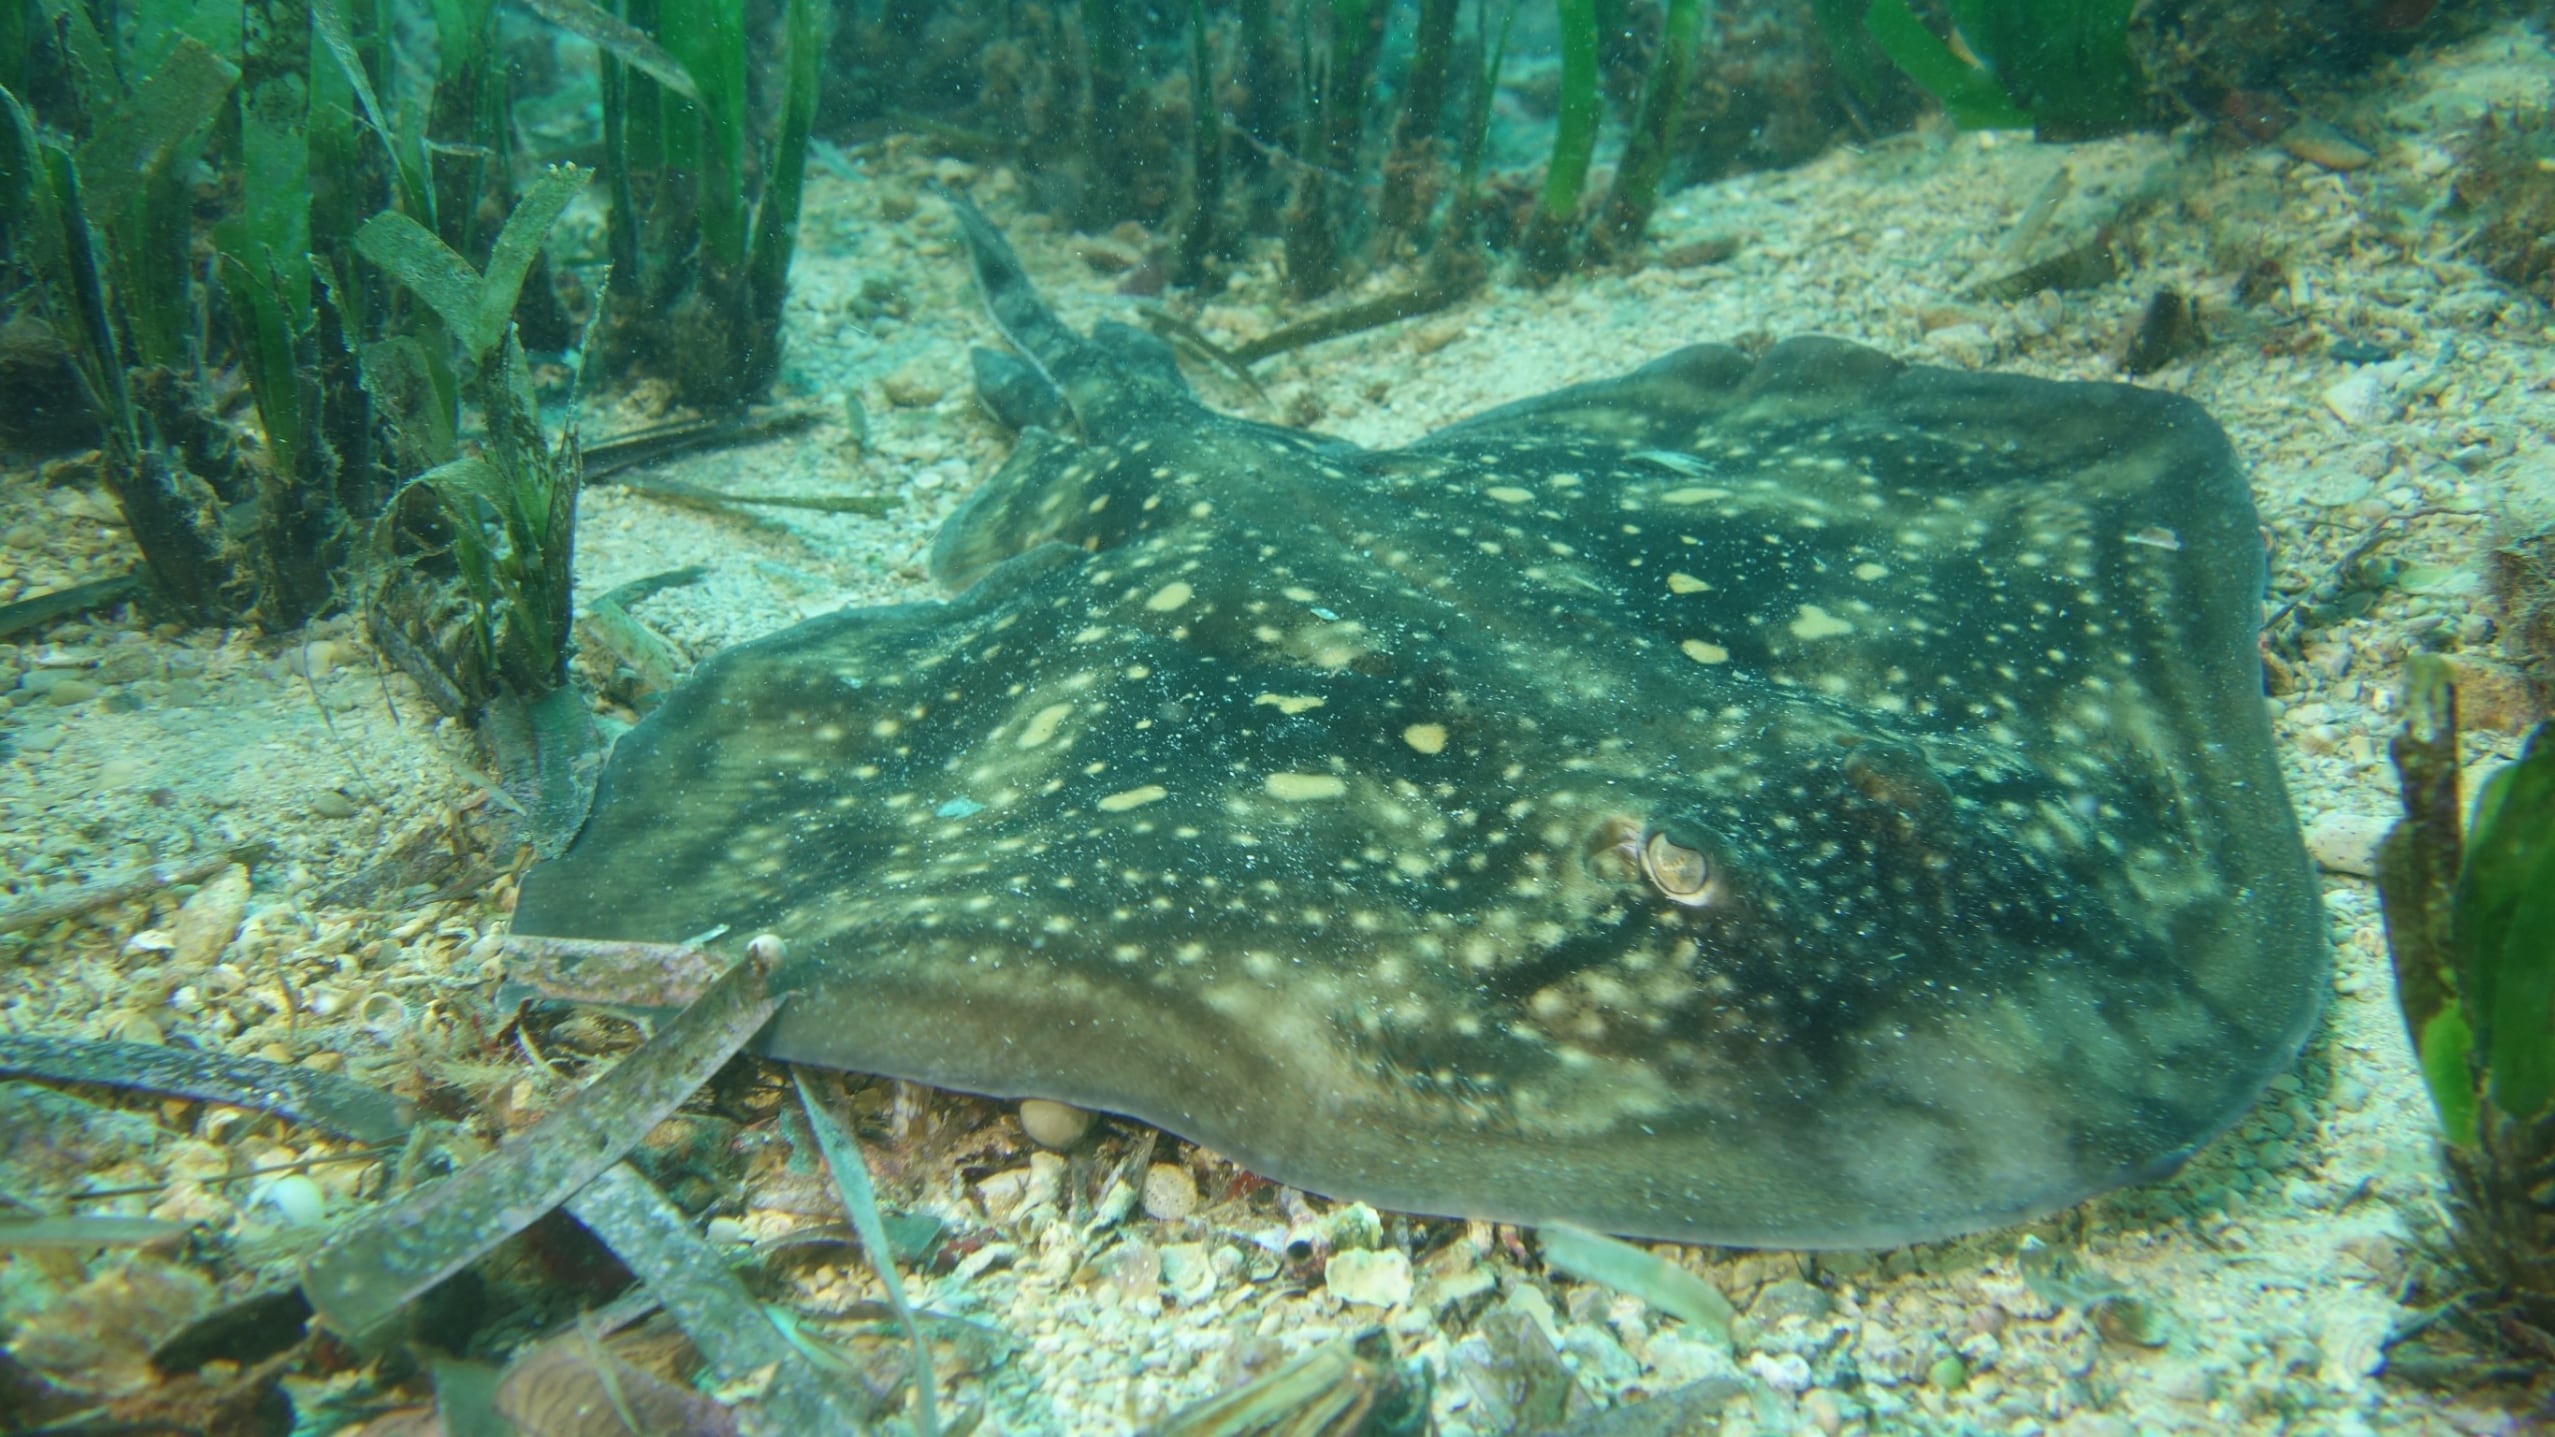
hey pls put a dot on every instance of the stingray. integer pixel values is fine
(1800, 799)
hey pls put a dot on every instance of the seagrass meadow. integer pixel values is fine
(1235, 716)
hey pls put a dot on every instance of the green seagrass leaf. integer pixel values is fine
(442, 280)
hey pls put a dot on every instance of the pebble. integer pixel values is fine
(2361, 397)
(913, 386)
(63, 693)
(1134, 1269)
(2348, 842)
(383, 1015)
(1188, 1273)
(97, 1334)
(1353, 1225)
(1712, 249)
(2333, 488)
(2320, 144)
(126, 664)
(209, 919)
(1453, 1289)
(1789, 1298)
(332, 804)
(1170, 1194)
(1105, 255)
(1377, 1279)
(1789, 1372)
(315, 660)
(1603, 1359)
(1966, 344)
(1675, 1359)
(1052, 1124)
(1436, 334)
(129, 1026)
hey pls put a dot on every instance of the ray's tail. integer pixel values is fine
(1012, 300)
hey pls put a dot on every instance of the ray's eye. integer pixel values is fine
(1680, 873)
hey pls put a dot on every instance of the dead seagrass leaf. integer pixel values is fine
(575, 1385)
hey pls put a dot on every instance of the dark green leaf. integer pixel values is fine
(271, 235)
(1971, 96)
(776, 221)
(518, 245)
(93, 66)
(2068, 65)
(2505, 930)
(270, 351)
(136, 140)
(546, 749)
(1850, 47)
(708, 36)
(442, 280)
(328, 18)
(635, 49)
(214, 24)
(30, 208)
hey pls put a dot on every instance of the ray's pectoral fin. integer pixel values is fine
(1028, 502)
(1658, 405)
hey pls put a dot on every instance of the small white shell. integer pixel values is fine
(293, 1200)
(383, 1015)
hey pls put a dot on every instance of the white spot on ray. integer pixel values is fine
(1703, 653)
(1814, 622)
(1302, 787)
(1042, 725)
